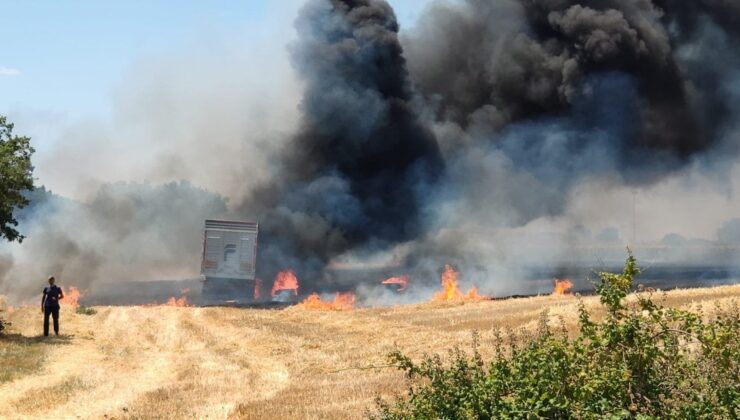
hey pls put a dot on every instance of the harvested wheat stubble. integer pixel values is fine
(175, 362)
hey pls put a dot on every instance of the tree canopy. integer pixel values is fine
(16, 178)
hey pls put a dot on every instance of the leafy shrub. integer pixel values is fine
(641, 361)
(85, 310)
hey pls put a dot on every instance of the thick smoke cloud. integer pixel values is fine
(499, 136)
(526, 99)
(493, 63)
(533, 99)
(126, 232)
(354, 172)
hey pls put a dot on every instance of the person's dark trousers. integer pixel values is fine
(54, 312)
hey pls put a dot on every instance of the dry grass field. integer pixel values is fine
(175, 362)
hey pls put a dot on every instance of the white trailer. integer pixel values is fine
(228, 264)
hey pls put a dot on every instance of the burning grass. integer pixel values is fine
(72, 297)
(451, 290)
(341, 302)
(562, 286)
(179, 301)
(173, 362)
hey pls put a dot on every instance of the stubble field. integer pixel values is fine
(186, 362)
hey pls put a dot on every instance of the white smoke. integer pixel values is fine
(519, 190)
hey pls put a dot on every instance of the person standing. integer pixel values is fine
(50, 305)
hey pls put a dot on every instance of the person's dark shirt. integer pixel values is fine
(52, 294)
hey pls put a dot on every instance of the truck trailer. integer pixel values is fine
(228, 262)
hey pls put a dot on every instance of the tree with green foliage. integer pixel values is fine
(641, 361)
(16, 178)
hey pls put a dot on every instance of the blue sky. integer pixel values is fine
(68, 53)
(61, 59)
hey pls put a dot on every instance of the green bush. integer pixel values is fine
(641, 361)
(85, 310)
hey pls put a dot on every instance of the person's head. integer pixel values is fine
(51, 280)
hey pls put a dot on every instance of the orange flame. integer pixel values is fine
(451, 290)
(257, 289)
(401, 281)
(72, 298)
(473, 294)
(181, 301)
(341, 302)
(285, 280)
(562, 286)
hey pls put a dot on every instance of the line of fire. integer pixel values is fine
(228, 273)
(228, 277)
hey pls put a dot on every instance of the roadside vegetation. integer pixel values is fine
(642, 360)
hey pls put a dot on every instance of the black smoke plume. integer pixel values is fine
(354, 172)
(468, 139)
(526, 97)
(485, 70)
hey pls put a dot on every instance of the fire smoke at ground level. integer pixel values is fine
(489, 136)
(450, 286)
